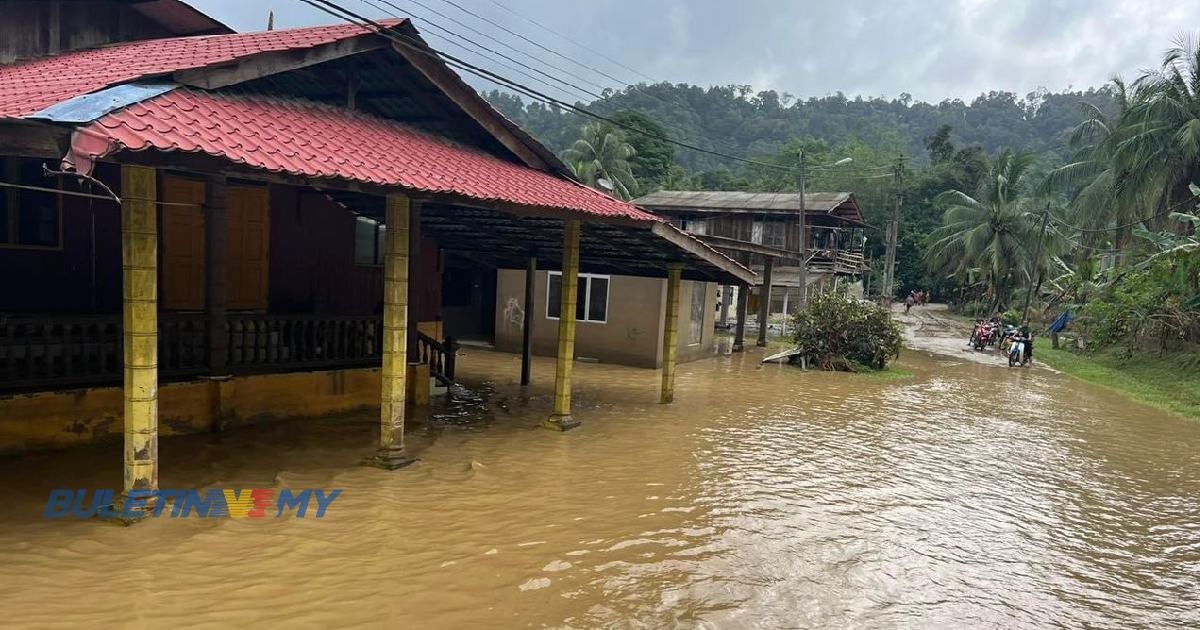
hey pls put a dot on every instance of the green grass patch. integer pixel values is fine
(1170, 382)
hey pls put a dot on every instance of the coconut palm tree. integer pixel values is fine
(1158, 148)
(1090, 178)
(600, 159)
(990, 232)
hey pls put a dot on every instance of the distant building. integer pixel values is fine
(761, 229)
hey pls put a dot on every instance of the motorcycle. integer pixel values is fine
(1006, 339)
(986, 337)
(1016, 351)
(982, 336)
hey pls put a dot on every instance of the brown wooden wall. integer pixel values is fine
(30, 28)
(311, 261)
(312, 258)
(40, 280)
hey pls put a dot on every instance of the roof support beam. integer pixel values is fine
(672, 234)
(453, 87)
(258, 66)
(724, 242)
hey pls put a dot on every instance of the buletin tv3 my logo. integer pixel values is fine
(212, 503)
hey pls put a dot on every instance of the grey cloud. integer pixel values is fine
(932, 50)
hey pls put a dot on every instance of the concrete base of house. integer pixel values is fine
(560, 423)
(59, 419)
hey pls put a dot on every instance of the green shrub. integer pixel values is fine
(1159, 301)
(840, 333)
(1011, 316)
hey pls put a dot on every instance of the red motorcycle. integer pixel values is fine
(983, 335)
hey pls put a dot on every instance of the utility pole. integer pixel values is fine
(803, 247)
(1037, 263)
(889, 271)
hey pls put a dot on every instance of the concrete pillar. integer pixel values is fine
(391, 454)
(561, 419)
(743, 302)
(139, 279)
(670, 332)
(764, 302)
(216, 271)
(527, 322)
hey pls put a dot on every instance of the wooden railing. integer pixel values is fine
(77, 350)
(36, 351)
(850, 262)
(837, 261)
(47, 352)
(438, 355)
(182, 345)
(267, 343)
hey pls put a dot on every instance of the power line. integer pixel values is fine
(532, 42)
(505, 44)
(596, 97)
(510, 67)
(580, 90)
(420, 47)
(572, 41)
(336, 10)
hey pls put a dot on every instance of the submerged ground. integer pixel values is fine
(966, 495)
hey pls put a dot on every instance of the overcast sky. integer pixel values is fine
(932, 49)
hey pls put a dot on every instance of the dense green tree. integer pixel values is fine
(736, 120)
(939, 146)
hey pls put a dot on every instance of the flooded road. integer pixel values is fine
(966, 495)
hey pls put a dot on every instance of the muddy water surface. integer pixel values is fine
(964, 496)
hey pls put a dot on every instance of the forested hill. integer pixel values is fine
(733, 119)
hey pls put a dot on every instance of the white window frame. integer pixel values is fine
(587, 295)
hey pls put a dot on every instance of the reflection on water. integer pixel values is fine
(965, 496)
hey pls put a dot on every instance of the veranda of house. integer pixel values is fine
(259, 226)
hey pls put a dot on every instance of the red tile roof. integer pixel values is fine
(29, 86)
(320, 141)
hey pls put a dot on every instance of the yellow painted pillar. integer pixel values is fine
(391, 453)
(671, 332)
(561, 419)
(139, 280)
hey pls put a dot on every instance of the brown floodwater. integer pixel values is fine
(966, 495)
